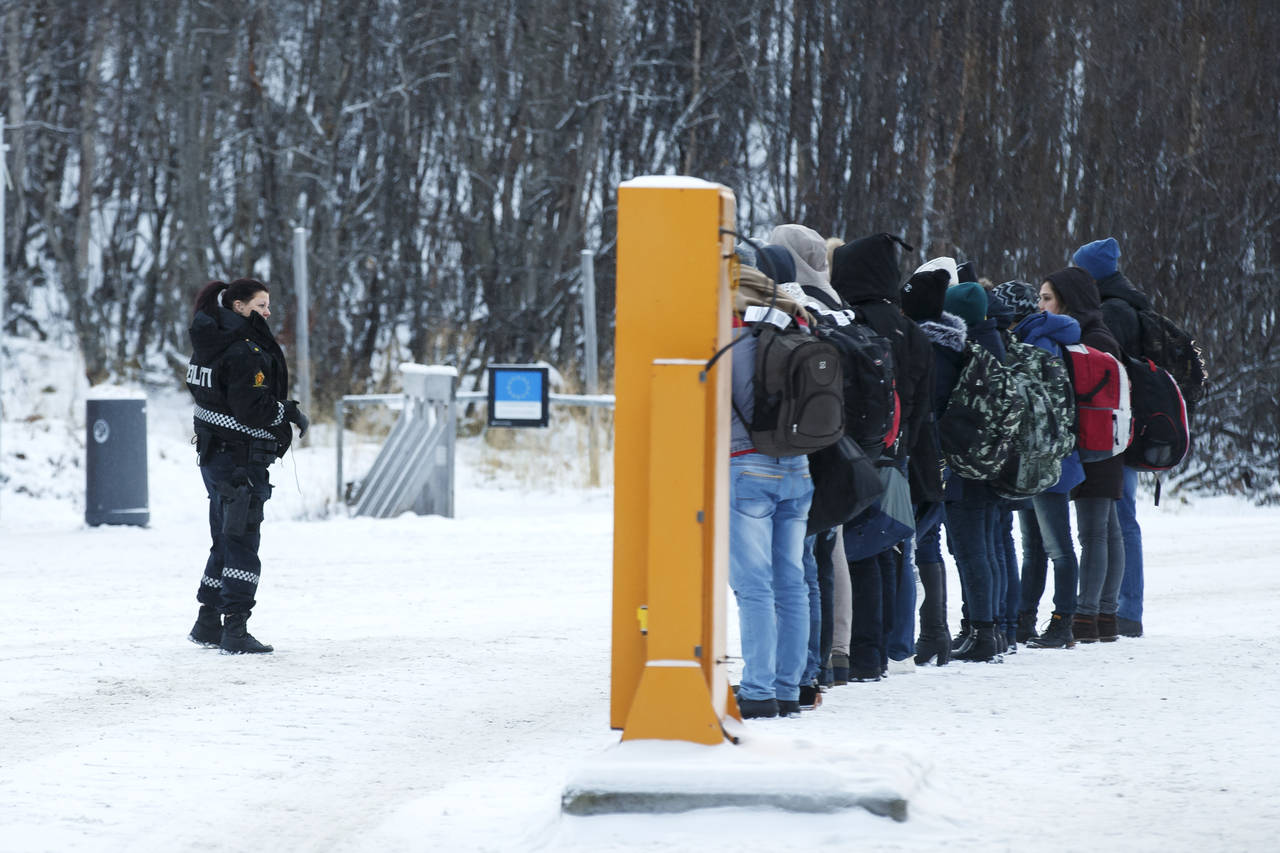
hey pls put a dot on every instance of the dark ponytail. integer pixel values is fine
(240, 290)
(207, 298)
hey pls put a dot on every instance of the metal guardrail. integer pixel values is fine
(415, 466)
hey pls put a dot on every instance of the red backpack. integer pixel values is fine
(1104, 413)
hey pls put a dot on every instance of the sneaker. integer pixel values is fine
(788, 707)
(1128, 627)
(1026, 626)
(902, 667)
(863, 676)
(1107, 628)
(1056, 636)
(810, 697)
(754, 709)
(1085, 627)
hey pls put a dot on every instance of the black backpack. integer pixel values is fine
(1174, 350)
(798, 404)
(1161, 437)
(866, 358)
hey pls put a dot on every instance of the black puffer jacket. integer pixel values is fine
(1121, 302)
(1103, 479)
(865, 274)
(238, 377)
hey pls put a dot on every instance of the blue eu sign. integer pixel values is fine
(518, 395)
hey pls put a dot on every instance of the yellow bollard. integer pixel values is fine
(671, 460)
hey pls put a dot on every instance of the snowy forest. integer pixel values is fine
(450, 160)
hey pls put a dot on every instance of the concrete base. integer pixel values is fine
(763, 770)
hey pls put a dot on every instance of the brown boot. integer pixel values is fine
(1085, 628)
(1107, 628)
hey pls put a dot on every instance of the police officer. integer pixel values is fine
(239, 380)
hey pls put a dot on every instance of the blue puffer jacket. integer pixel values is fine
(1052, 332)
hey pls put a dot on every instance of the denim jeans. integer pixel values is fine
(825, 553)
(1008, 584)
(874, 582)
(902, 633)
(768, 510)
(1101, 555)
(1131, 587)
(971, 529)
(1046, 536)
(813, 661)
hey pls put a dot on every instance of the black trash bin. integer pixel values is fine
(116, 460)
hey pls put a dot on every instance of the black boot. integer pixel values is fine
(1026, 626)
(963, 638)
(935, 639)
(207, 631)
(986, 645)
(1057, 636)
(236, 639)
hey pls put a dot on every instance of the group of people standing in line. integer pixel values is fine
(810, 617)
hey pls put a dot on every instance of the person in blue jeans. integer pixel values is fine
(1122, 301)
(768, 509)
(769, 500)
(1129, 609)
(1046, 522)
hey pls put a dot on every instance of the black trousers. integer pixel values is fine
(230, 581)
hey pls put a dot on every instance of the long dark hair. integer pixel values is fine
(240, 290)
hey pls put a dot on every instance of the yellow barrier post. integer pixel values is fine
(671, 452)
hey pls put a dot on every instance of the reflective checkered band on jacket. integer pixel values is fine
(228, 422)
(240, 575)
(216, 583)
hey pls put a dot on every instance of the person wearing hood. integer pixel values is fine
(865, 273)
(972, 508)
(240, 382)
(1046, 524)
(769, 501)
(922, 300)
(1121, 302)
(1072, 291)
(825, 550)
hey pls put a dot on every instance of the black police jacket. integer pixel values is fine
(239, 379)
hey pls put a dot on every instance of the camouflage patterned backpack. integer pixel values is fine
(1046, 434)
(983, 417)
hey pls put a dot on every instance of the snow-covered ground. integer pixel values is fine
(437, 682)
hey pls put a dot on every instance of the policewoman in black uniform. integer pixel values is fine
(239, 380)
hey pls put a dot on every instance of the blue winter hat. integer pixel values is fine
(1098, 258)
(968, 301)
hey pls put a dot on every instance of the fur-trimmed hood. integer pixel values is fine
(949, 331)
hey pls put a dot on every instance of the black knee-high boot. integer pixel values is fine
(935, 638)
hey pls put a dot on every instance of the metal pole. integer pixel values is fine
(303, 358)
(589, 359)
(4, 245)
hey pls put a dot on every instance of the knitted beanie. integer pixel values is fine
(1021, 298)
(1098, 258)
(968, 301)
(924, 293)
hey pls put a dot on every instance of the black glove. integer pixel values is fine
(294, 415)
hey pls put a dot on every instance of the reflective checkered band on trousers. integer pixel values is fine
(240, 575)
(228, 422)
(216, 583)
